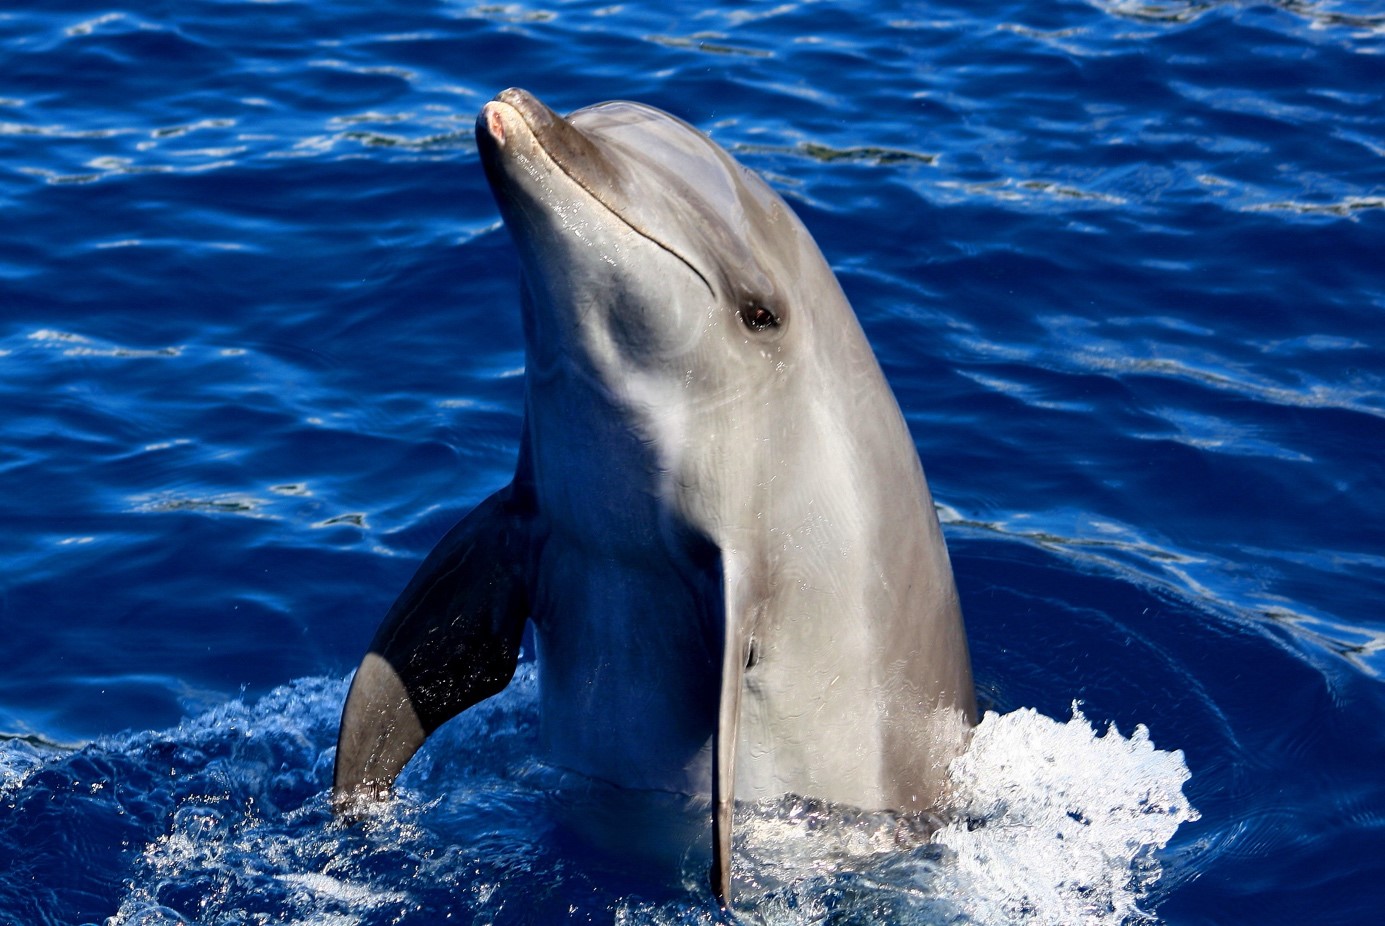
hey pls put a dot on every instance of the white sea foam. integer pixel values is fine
(1055, 824)
(1064, 823)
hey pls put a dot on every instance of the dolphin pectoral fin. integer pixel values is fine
(451, 639)
(735, 646)
(380, 731)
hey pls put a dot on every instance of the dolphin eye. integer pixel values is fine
(757, 317)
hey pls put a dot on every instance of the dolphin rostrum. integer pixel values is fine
(718, 522)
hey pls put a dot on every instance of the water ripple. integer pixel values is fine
(261, 346)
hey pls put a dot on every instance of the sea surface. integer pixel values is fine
(1123, 263)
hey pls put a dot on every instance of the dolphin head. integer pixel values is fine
(643, 243)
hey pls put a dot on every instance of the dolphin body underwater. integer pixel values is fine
(718, 523)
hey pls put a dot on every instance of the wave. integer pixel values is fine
(225, 818)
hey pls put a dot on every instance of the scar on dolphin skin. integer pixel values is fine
(683, 468)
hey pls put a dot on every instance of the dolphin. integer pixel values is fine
(718, 523)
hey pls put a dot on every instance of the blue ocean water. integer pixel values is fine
(259, 348)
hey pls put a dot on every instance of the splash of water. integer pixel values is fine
(228, 821)
(1061, 825)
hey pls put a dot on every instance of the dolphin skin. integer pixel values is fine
(718, 522)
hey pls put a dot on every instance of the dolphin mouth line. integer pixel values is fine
(499, 137)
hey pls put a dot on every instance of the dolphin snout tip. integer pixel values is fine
(493, 121)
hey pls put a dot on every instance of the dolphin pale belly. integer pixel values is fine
(718, 523)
